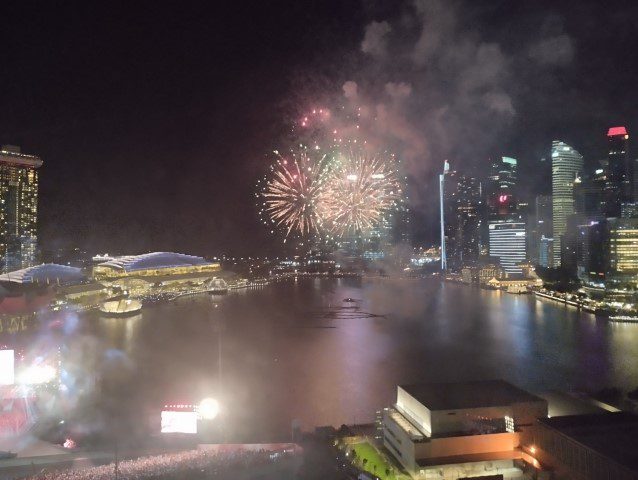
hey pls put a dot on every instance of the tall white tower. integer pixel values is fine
(446, 168)
(567, 163)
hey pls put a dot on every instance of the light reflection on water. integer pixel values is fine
(290, 351)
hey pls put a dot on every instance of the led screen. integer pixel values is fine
(179, 422)
(6, 367)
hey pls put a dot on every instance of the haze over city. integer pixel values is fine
(122, 97)
(355, 240)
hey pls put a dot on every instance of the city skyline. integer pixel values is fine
(368, 239)
(117, 116)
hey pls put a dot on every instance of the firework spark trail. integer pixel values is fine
(290, 197)
(330, 186)
(361, 191)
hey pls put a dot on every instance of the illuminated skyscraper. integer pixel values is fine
(501, 189)
(468, 219)
(508, 244)
(620, 172)
(447, 201)
(609, 257)
(18, 208)
(567, 163)
(623, 249)
(539, 226)
(460, 197)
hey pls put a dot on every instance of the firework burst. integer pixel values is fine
(362, 189)
(291, 194)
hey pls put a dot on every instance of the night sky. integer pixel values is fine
(154, 121)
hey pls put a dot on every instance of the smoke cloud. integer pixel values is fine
(374, 41)
(430, 86)
(556, 50)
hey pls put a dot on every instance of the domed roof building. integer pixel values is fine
(153, 264)
(43, 275)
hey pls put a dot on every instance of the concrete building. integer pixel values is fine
(567, 163)
(587, 447)
(456, 430)
(488, 272)
(18, 208)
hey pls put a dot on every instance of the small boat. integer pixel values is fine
(349, 300)
(121, 308)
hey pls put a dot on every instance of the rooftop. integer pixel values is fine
(610, 434)
(154, 260)
(47, 273)
(613, 131)
(10, 154)
(463, 395)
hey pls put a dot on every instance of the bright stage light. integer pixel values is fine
(208, 408)
(6, 367)
(37, 374)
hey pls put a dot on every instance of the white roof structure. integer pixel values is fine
(154, 260)
(46, 274)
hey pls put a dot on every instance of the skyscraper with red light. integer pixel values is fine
(619, 187)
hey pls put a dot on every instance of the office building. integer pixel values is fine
(629, 210)
(620, 172)
(448, 196)
(593, 255)
(609, 253)
(623, 249)
(477, 428)
(567, 163)
(546, 252)
(589, 193)
(501, 189)
(508, 244)
(468, 220)
(539, 226)
(18, 208)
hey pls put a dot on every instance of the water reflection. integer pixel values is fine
(294, 351)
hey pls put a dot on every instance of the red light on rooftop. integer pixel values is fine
(613, 131)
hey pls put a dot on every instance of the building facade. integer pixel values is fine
(474, 427)
(18, 208)
(567, 163)
(154, 264)
(508, 244)
(587, 447)
(539, 226)
(468, 219)
(620, 172)
(501, 189)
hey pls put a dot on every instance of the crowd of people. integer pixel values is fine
(191, 464)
